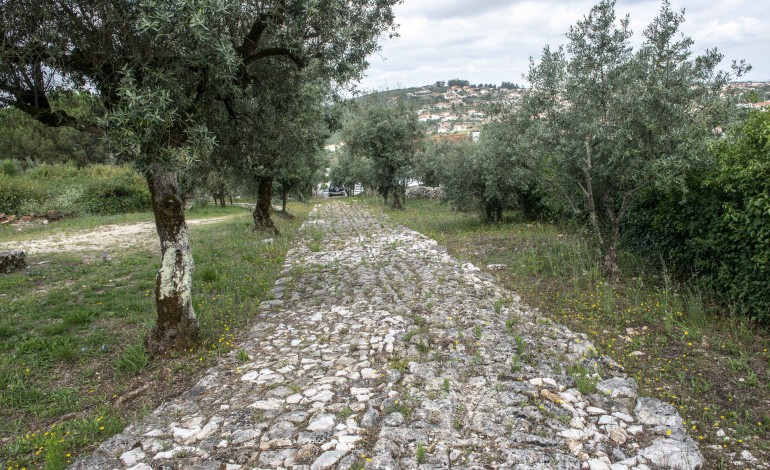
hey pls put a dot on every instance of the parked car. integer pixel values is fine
(337, 191)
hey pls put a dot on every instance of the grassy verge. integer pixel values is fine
(73, 369)
(681, 347)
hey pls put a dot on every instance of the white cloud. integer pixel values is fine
(492, 40)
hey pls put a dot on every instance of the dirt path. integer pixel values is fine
(105, 238)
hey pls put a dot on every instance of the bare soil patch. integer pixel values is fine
(103, 238)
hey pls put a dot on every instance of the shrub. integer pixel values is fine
(114, 191)
(97, 190)
(717, 228)
(16, 192)
(9, 167)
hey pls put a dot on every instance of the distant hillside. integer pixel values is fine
(461, 108)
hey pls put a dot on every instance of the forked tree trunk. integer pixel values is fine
(261, 215)
(177, 326)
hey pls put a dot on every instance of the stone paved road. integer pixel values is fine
(381, 350)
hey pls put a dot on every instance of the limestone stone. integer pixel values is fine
(327, 459)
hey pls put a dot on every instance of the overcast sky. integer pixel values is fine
(490, 41)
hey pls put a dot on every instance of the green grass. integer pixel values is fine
(72, 329)
(713, 365)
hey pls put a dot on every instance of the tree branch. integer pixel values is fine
(275, 52)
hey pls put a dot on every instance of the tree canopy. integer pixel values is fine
(386, 134)
(615, 121)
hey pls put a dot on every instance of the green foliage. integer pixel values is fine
(495, 175)
(585, 382)
(384, 136)
(114, 191)
(631, 119)
(131, 362)
(16, 192)
(457, 82)
(717, 227)
(95, 190)
(422, 454)
(29, 142)
(9, 167)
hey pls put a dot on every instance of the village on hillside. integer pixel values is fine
(457, 110)
(460, 110)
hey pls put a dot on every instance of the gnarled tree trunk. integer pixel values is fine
(261, 215)
(177, 326)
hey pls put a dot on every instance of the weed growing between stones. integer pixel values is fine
(585, 382)
(422, 453)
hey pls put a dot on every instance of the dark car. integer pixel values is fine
(337, 191)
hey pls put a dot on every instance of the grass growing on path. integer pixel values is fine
(73, 369)
(681, 347)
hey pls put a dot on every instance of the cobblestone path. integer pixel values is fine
(381, 351)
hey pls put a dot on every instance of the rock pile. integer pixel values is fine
(379, 350)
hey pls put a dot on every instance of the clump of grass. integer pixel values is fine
(585, 382)
(510, 323)
(399, 363)
(422, 453)
(208, 274)
(132, 361)
(345, 413)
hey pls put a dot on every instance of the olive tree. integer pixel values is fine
(157, 67)
(613, 121)
(387, 135)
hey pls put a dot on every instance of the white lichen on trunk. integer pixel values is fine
(175, 274)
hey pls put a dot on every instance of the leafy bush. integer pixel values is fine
(717, 228)
(97, 190)
(67, 202)
(114, 190)
(9, 167)
(16, 192)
